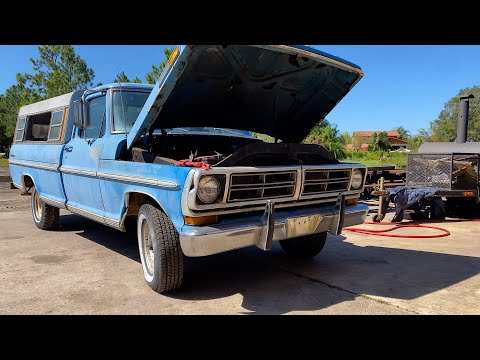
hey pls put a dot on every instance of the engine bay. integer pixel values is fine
(210, 149)
(226, 151)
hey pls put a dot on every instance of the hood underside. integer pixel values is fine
(277, 90)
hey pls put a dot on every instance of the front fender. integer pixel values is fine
(163, 184)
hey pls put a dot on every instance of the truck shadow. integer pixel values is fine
(271, 283)
(122, 243)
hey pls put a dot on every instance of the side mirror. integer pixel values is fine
(80, 114)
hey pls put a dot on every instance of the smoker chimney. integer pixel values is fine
(462, 122)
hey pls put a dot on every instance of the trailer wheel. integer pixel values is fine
(45, 216)
(160, 251)
(462, 207)
(304, 246)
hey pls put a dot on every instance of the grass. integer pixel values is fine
(3, 163)
(399, 160)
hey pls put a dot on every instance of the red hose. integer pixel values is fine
(444, 232)
(399, 226)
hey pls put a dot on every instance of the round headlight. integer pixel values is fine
(357, 179)
(208, 189)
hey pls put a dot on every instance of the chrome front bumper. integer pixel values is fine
(262, 230)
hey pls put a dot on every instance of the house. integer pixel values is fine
(366, 138)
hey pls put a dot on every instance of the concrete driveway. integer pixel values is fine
(87, 268)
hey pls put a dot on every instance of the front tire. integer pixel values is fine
(45, 217)
(160, 251)
(304, 247)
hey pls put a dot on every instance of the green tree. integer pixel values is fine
(444, 128)
(153, 76)
(328, 135)
(15, 97)
(263, 137)
(123, 78)
(383, 141)
(347, 138)
(403, 133)
(373, 144)
(414, 142)
(58, 70)
(357, 141)
(418, 139)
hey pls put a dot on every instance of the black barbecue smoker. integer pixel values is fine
(450, 167)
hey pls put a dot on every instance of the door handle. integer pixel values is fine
(68, 148)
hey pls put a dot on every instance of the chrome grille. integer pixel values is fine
(255, 186)
(325, 181)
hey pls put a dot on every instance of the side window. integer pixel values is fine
(20, 129)
(97, 108)
(56, 123)
(38, 126)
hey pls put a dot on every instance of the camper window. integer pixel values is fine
(56, 126)
(37, 129)
(20, 129)
(44, 126)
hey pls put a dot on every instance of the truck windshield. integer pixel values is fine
(126, 107)
(128, 104)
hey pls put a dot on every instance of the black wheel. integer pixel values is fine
(375, 218)
(45, 216)
(304, 246)
(160, 251)
(462, 208)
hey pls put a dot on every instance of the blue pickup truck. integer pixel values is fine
(181, 157)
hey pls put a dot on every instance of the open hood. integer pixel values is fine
(278, 90)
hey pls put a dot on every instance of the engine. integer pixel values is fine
(228, 151)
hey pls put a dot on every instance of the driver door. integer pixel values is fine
(80, 162)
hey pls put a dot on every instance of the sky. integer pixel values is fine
(403, 85)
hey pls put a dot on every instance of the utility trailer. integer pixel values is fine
(450, 167)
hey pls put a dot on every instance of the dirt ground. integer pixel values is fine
(4, 174)
(86, 268)
(11, 200)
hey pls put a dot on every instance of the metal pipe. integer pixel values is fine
(462, 122)
(380, 200)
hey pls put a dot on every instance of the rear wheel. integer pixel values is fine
(160, 251)
(45, 216)
(304, 246)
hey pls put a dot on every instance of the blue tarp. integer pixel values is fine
(404, 198)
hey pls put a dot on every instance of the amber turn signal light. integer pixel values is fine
(349, 202)
(202, 220)
(172, 57)
(469, 193)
